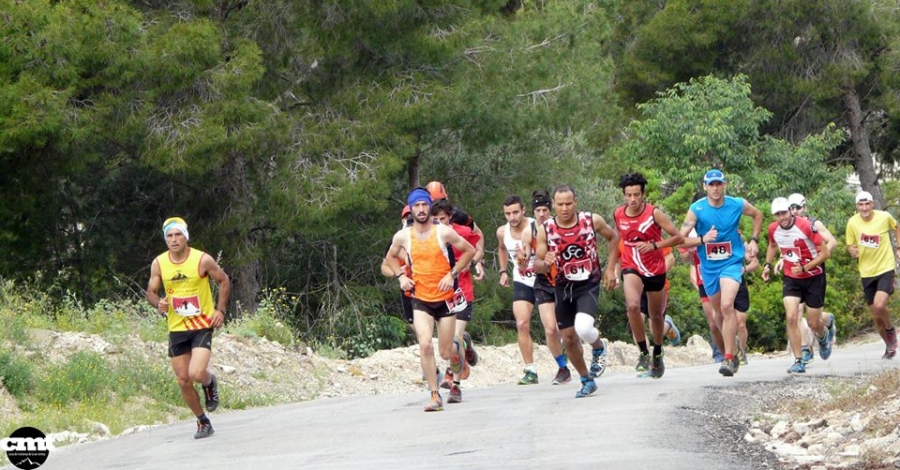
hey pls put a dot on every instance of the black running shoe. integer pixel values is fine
(211, 394)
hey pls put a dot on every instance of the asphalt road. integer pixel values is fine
(629, 423)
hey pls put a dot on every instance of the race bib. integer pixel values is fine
(458, 302)
(718, 251)
(578, 270)
(186, 306)
(869, 241)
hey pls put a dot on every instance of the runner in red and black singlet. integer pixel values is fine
(641, 227)
(570, 242)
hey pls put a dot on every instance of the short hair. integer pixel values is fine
(631, 179)
(564, 188)
(513, 199)
(441, 205)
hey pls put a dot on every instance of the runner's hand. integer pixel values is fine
(163, 306)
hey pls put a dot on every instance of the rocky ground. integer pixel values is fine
(853, 433)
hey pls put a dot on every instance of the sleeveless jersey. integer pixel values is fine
(465, 278)
(187, 292)
(728, 247)
(521, 274)
(635, 229)
(549, 278)
(576, 250)
(798, 245)
(430, 263)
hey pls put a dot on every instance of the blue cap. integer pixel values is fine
(713, 176)
(417, 195)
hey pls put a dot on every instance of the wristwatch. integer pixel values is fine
(454, 273)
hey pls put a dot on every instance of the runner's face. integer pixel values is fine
(715, 191)
(513, 214)
(175, 240)
(634, 197)
(541, 213)
(565, 206)
(784, 218)
(443, 218)
(422, 212)
(864, 208)
(798, 211)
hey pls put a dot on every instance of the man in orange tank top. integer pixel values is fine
(432, 284)
(184, 272)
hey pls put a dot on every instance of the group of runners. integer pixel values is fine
(552, 262)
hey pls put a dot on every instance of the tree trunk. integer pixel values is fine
(862, 153)
(413, 170)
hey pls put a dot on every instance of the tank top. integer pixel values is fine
(430, 262)
(521, 274)
(187, 292)
(548, 278)
(635, 229)
(576, 250)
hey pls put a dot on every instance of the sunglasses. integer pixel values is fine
(795, 207)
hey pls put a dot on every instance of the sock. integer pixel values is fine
(203, 418)
(642, 345)
(730, 357)
(531, 368)
(657, 349)
(561, 361)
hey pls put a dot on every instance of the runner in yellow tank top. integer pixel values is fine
(184, 273)
(432, 285)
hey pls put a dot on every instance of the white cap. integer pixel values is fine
(797, 199)
(780, 204)
(863, 196)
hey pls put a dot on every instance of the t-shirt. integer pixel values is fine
(876, 255)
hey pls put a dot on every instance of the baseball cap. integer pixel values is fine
(405, 212)
(797, 199)
(713, 176)
(780, 204)
(863, 196)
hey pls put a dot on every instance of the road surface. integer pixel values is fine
(629, 423)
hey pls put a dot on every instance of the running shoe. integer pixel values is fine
(563, 376)
(598, 359)
(435, 404)
(806, 356)
(588, 387)
(717, 355)
(211, 394)
(455, 394)
(203, 430)
(447, 381)
(797, 368)
(736, 364)
(643, 362)
(657, 367)
(742, 356)
(825, 341)
(456, 364)
(673, 336)
(891, 350)
(530, 378)
(471, 355)
(727, 368)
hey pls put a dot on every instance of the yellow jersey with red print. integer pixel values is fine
(873, 238)
(187, 292)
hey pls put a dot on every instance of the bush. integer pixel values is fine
(17, 375)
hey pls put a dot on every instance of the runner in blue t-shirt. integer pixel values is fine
(721, 250)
